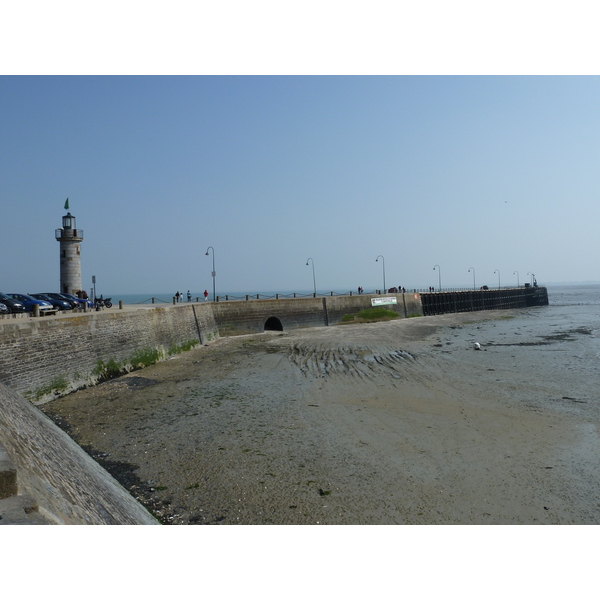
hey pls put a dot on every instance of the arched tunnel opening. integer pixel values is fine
(273, 324)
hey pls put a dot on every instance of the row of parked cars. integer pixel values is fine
(15, 303)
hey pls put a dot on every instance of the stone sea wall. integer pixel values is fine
(43, 358)
(46, 357)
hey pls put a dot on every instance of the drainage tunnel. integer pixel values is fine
(273, 324)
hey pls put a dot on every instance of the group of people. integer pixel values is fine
(81, 294)
(392, 290)
(179, 296)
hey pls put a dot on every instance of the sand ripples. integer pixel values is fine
(360, 362)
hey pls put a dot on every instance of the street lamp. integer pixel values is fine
(314, 282)
(439, 277)
(472, 269)
(214, 273)
(532, 277)
(517, 274)
(383, 261)
(497, 271)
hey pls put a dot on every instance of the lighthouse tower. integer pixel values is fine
(69, 238)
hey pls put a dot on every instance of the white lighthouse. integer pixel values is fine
(69, 238)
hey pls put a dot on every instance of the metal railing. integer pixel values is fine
(68, 234)
(278, 296)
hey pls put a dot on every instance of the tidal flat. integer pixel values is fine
(399, 422)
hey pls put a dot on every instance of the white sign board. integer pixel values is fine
(380, 301)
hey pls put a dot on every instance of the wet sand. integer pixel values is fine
(400, 422)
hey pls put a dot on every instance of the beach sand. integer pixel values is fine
(399, 422)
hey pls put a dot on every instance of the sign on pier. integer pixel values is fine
(386, 300)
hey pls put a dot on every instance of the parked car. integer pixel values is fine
(14, 306)
(58, 303)
(62, 297)
(4, 309)
(28, 302)
(78, 300)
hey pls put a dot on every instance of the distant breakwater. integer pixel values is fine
(474, 300)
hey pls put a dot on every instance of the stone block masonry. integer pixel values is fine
(44, 358)
(60, 482)
(249, 316)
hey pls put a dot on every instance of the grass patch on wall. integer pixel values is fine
(107, 370)
(56, 386)
(183, 347)
(371, 315)
(145, 357)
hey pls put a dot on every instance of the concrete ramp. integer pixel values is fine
(47, 478)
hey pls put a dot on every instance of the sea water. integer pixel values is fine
(167, 298)
(576, 308)
(574, 294)
(559, 343)
(562, 295)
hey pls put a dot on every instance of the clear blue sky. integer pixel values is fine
(494, 173)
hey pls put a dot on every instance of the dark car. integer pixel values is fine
(80, 301)
(30, 302)
(56, 296)
(14, 306)
(58, 303)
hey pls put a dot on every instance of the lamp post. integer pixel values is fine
(497, 271)
(214, 273)
(313, 269)
(439, 277)
(383, 261)
(472, 269)
(517, 274)
(532, 277)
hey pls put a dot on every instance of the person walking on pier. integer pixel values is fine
(205, 295)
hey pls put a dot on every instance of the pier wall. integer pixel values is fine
(43, 358)
(252, 316)
(438, 303)
(238, 317)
